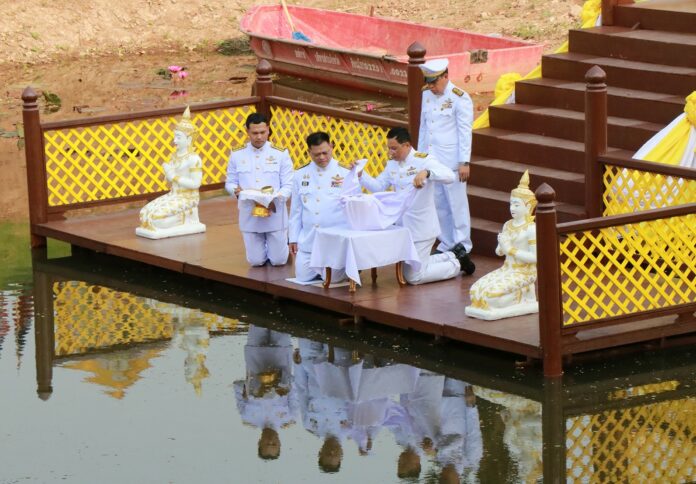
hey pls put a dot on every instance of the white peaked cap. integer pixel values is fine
(434, 67)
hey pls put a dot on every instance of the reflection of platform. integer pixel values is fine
(219, 255)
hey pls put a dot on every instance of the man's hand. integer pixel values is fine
(463, 172)
(419, 179)
(271, 206)
(293, 248)
(237, 190)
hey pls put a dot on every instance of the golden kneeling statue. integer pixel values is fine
(510, 290)
(176, 212)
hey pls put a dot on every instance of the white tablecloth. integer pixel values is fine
(362, 249)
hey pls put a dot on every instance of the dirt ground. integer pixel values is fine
(102, 56)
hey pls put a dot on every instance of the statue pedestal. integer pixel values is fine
(500, 313)
(187, 229)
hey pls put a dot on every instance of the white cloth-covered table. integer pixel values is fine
(362, 249)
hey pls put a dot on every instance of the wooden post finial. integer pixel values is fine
(263, 87)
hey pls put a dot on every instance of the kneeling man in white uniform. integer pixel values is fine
(315, 203)
(408, 168)
(260, 164)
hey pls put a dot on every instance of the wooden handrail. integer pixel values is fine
(624, 219)
(155, 113)
(336, 112)
(648, 166)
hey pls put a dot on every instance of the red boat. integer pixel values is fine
(370, 52)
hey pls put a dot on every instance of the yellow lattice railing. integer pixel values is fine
(627, 269)
(89, 317)
(114, 160)
(628, 190)
(645, 444)
(352, 140)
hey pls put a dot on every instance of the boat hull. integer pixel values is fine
(381, 67)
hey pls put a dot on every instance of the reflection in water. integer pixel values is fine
(90, 318)
(16, 309)
(265, 397)
(116, 371)
(352, 403)
(522, 435)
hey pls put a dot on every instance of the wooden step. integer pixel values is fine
(504, 175)
(534, 149)
(654, 46)
(670, 15)
(484, 235)
(641, 76)
(654, 107)
(628, 134)
(494, 205)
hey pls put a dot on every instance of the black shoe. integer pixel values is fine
(467, 265)
(459, 250)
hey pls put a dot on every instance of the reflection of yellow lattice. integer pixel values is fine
(91, 317)
(627, 190)
(123, 159)
(627, 269)
(646, 444)
(116, 371)
(352, 140)
(649, 389)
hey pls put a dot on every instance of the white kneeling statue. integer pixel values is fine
(176, 213)
(510, 290)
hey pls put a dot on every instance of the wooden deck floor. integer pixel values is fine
(436, 308)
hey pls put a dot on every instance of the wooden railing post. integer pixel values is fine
(36, 165)
(549, 281)
(553, 432)
(416, 57)
(595, 138)
(608, 11)
(263, 86)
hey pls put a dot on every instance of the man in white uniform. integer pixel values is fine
(256, 165)
(447, 114)
(405, 169)
(315, 203)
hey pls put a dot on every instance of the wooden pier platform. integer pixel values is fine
(218, 254)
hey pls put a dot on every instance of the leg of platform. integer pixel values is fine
(373, 273)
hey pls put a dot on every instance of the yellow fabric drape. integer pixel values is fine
(591, 10)
(670, 149)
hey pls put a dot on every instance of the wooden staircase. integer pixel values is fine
(649, 56)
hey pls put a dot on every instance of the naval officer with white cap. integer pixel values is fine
(447, 114)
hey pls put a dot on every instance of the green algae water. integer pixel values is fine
(115, 372)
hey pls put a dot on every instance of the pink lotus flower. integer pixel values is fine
(182, 74)
(369, 107)
(174, 69)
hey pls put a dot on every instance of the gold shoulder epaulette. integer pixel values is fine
(420, 155)
(304, 166)
(277, 147)
(239, 148)
(458, 91)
